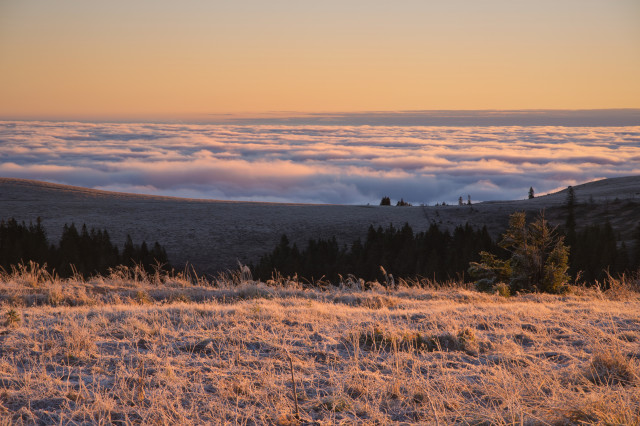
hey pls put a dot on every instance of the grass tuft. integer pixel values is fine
(611, 368)
(12, 318)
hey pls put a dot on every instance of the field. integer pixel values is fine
(138, 349)
(214, 235)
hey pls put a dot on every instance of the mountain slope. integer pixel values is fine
(215, 235)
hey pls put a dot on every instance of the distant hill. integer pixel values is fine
(213, 235)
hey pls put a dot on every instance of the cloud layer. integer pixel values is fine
(316, 163)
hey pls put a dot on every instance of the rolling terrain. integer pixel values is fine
(214, 235)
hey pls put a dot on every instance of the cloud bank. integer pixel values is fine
(525, 117)
(317, 163)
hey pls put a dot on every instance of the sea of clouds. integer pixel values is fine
(317, 163)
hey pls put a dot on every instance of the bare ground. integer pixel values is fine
(136, 349)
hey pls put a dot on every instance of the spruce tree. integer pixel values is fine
(635, 262)
(128, 252)
(539, 258)
(570, 230)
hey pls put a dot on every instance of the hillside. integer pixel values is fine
(163, 351)
(214, 235)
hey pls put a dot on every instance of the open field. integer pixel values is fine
(214, 235)
(136, 349)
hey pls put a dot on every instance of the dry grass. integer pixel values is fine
(132, 348)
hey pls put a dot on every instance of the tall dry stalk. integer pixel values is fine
(295, 392)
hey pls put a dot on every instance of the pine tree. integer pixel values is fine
(539, 259)
(159, 254)
(635, 262)
(490, 270)
(531, 193)
(570, 230)
(571, 196)
(69, 251)
(622, 264)
(128, 252)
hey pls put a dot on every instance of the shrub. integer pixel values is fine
(501, 289)
(12, 317)
(489, 271)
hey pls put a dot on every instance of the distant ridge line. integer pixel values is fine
(632, 183)
(33, 183)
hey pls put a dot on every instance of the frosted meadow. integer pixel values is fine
(131, 348)
(317, 163)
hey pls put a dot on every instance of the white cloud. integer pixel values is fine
(326, 164)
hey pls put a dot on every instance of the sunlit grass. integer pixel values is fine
(143, 348)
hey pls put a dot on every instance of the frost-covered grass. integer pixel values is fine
(133, 348)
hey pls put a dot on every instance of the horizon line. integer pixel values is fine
(592, 117)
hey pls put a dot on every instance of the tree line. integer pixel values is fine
(594, 249)
(86, 252)
(434, 254)
(386, 201)
(586, 255)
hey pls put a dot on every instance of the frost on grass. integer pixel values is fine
(142, 350)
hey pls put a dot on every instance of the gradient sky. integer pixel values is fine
(161, 59)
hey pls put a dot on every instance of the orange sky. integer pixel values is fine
(162, 59)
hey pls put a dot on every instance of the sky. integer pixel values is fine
(333, 101)
(318, 163)
(186, 60)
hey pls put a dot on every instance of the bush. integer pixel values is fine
(501, 289)
(489, 271)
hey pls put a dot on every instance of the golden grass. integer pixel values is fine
(125, 349)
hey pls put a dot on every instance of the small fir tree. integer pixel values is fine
(539, 259)
(570, 228)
